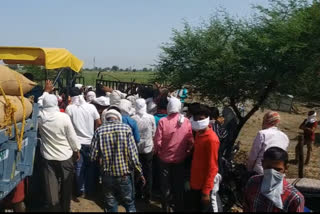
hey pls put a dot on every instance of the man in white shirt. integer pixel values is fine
(269, 136)
(58, 143)
(147, 129)
(85, 119)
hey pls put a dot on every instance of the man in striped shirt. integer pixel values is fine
(114, 144)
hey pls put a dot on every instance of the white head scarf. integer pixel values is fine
(91, 96)
(110, 113)
(151, 106)
(174, 106)
(78, 86)
(141, 107)
(125, 106)
(116, 96)
(312, 118)
(78, 100)
(103, 101)
(50, 105)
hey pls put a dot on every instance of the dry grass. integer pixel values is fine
(289, 125)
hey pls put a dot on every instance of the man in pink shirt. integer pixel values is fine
(172, 144)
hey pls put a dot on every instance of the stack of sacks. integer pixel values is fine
(10, 86)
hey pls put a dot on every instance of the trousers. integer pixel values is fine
(118, 189)
(172, 185)
(55, 172)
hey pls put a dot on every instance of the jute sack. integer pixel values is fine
(9, 83)
(17, 103)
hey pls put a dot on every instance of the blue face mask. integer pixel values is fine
(272, 186)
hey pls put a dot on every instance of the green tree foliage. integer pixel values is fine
(246, 59)
(115, 68)
(37, 71)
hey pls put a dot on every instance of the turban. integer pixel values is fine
(141, 107)
(50, 105)
(174, 105)
(125, 106)
(90, 96)
(111, 113)
(271, 119)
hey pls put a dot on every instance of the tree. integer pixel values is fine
(145, 69)
(115, 68)
(37, 71)
(13, 67)
(240, 60)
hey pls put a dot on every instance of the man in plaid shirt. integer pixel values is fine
(271, 192)
(114, 144)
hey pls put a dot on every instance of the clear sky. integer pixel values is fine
(116, 32)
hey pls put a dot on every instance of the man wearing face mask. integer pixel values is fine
(309, 127)
(271, 192)
(204, 179)
(270, 136)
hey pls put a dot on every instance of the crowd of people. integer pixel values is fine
(150, 142)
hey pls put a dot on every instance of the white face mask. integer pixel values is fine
(312, 118)
(200, 124)
(272, 186)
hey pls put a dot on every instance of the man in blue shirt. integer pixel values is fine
(161, 109)
(125, 113)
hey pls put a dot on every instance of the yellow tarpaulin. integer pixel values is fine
(50, 58)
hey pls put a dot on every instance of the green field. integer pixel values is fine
(139, 76)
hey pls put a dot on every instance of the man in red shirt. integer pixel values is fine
(309, 127)
(204, 168)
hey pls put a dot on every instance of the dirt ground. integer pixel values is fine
(289, 124)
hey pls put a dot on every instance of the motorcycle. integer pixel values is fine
(234, 179)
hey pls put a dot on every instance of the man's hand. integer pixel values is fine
(143, 181)
(221, 120)
(205, 199)
(76, 156)
(107, 89)
(48, 87)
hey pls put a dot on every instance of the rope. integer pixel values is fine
(9, 118)
(9, 111)
(20, 139)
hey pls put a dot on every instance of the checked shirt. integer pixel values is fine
(254, 201)
(115, 144)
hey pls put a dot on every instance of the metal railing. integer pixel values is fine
(129, 88)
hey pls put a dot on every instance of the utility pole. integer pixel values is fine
(94, 62)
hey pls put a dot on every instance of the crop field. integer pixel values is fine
(139, 76)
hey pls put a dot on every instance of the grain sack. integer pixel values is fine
(17, 103)
(9, 83)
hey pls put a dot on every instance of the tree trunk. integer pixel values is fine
(243, 120)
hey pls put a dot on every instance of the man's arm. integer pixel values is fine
(297, 204)
(154, 127)
(133, 153)
(212, 154)
(256, 147)
(72, 136)
(302, 125)
(158, 137)
(95, 147)
(97, 123)
(96, 116)
(135, 131)
(189, 138)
